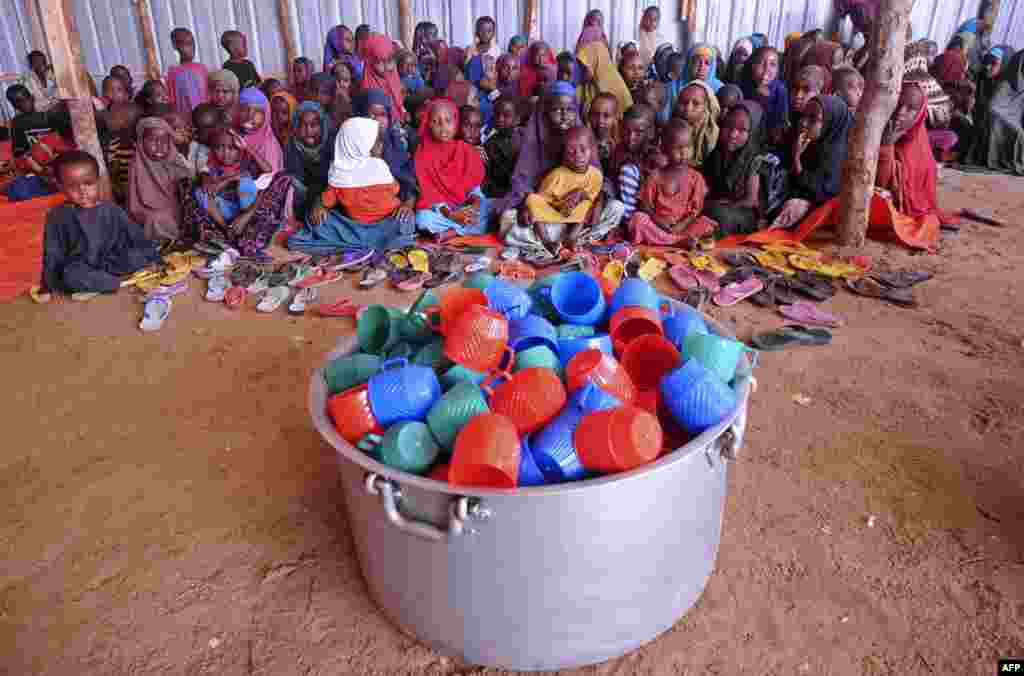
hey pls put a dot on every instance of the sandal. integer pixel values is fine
(354, 259)
(734, 293)
(235, 297)
(84, 296)
(808, 313)
(419, 260)
(684, 277)
(155, 314)
(372, 277)
(343, 308)
(814, 286)
(516, 271)
(651, 269)
(302, 299)
(903, 279)
(320, 278)
(414, 282)
(216, 287)
(273, 299)
(789, 336)
(440, 278)
(869, 288)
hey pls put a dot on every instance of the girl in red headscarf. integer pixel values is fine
(449, 172)
(537, 57)
(378, 51)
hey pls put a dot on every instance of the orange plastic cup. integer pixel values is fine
(618, 439)
(454, 302)
(486, 453)
(353, 418)
(478, 339)
(630, 322)
(530, 399)
(648, 358)
(603, 370)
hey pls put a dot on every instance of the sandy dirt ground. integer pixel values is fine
(167, 508)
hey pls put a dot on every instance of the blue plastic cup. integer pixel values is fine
(681, 323)
(554, 449)
(568, 347)
(578, 299)
(532, 331)
(529, 472)
(508, 299)
(401, 392)
(635, 291)
(696, 397)
(592, 398)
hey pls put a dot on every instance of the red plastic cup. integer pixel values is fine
(353, 418)
(630, 322)
(530, 398)
(649, 400)
(454, 302)
(648, 358)
(603, 370)
(486, 453)
(478, 339)
(618, 439)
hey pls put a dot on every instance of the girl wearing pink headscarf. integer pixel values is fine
(378, 51)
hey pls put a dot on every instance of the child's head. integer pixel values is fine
(578, 149)
(848, 84)
(993, 63)
(184, 43)
(677, 66)
(471, 123)
(594, 18)
(560, 108)
(21, 99)
(604, 114)
(728, 96)
(302, 70)
(764, 65)
(38, 62)
(632, 69)
(324, 88)
(207, 118)
(545, 76)
(383, 67)
(156, 138)
(912, 99)
(651, 19)
(375, 104)
(677, 142)
(122, 119)
(271, 86)
(362, 32)
(700, 62)
(508, 69)
(115, 90)
(809, 82)
(406, 63)
(126, 75)
(343, 77)
(485, 29)
(736, 129)
(506, 113)
(225, 147)
(78, 175)
(566, 64)
(626, 49)
(180, 127)
(234, 43)
(638, 127)
(154, 92)
(280, 113)
(443, 121)
(309, 129)
(252, 113)
(516, 46)
(224, 88)
(540, 54)
(692, 105)
(812, 119)
(655, 95)
(426, 32)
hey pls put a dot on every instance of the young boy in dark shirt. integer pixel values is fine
(234, 43)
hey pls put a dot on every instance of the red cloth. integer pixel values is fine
(528, 74)
(378, 48)
(459, 92)
(949, 67)
(446, 172)
(919, 175)
(22, 227)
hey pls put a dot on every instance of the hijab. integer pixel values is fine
(226, 77)
(283, 135)
(703, 49)
(153, 186)
(776, 104)
(529, 75)
(310, 154)
(605, 76)
(377, 48)
(333, 52)
(648, 42)
(262, 142)
(395, 154)
(510, 88)
(447, 171)
(353, 165)
(517, 40)
(823, 160)
(727, 176)
(705, 134)
(1006, 140)
(918, 179)
(950, 66)
(590, 34)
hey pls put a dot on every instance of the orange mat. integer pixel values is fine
(21, 243)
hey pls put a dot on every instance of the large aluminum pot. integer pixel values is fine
(539, 578)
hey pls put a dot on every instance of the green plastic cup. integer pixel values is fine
(379, 329)
(575, 331)
(718, 355)
(402, 350)
(427, 299)
(432, 356)
(344, 373)
(452, 411)
(478, 280)
(408, 446)
(460, 374)
(539, 356)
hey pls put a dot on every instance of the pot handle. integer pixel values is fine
(459, 511)
(731, 441)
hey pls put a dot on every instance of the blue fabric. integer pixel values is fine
(486, 106)
(413, 83)
(431, 220)
(672, 90)
(712, 80)
(28, 187)
(969, 26)
(562, 88)
(339, 232)
(229, 202)
(997, 52)
(776, 105)
(474, 70)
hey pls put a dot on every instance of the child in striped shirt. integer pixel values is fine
(635, 156)
(122, 119)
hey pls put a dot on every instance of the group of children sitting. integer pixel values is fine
(549, 151)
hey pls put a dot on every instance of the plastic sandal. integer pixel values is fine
(614, 271)
(738, 291)
(684, 277)
(869, 288)
(652, 269)
(372, 277)
(273, 299)
(235, 297)
(38, 296)
(343, 308)
(398, 260)
(320, 278)
(84, 296)
(419, 260)
(353, 260)
(790, 336)
(808, 313)
(479, 265)
(302, 299)
(903, 279)
(441, 278)
(155, 314)
(216, 287)
(413, 283)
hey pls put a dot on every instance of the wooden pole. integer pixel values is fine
(405, 23)
(72, 80)
(284, 15)
(881, 94)
(531, 25)
(148, 39)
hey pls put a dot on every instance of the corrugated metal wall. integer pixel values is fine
(110, 32)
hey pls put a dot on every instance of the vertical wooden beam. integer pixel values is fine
(405, 23)
(72, 80)
(531, 26)
(284, 15)
(148, 38)
(35, 24)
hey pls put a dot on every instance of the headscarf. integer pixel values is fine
(919, 175)
(705, 134)
(517, 40)
(152, 189)
(262, 142)
(660, 66)
(732, 70)
(420, 45)
(705, 49)
(776, 104)
(1005, 140)
(285, 134)
(395, 154)
(727, 175)
(378, 48)
(528, 74)
(333, 52)
(647, 42)
(950, 66)
(823, 160)
(310, 154)
(822, 54)
(590, 34)
(354, 166)
(447, 172)
(605, 76)
(226, 77)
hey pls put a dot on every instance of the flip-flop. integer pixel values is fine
(651, 269)
(510, 254)
(301, 300)
(320, 278)
(902, 279)
(808, 313)
(814, 286)
(414, 282)
(155, 313)
(614, 271)
(343, 308)
(737, 274)
(441, 278)
(708, 280)
(398, 260)
(737, 259)
(273, 299)
(372, 277)
(419, 260)
(354, 259)
(869, 288)
(738, 291)
(479, 265)
(684, 277)
(38, 296)
(791, 335)
(235, 297)
(216, 287)
(168, 291)
(707, 262)
(84, 296)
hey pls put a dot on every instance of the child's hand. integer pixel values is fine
(404, 214)
(317, 214)
(571, 201)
